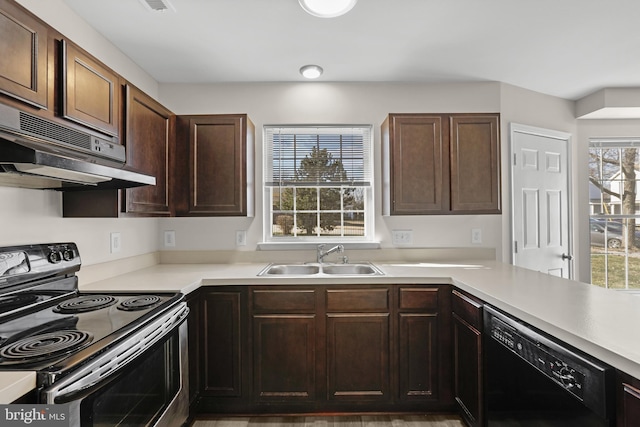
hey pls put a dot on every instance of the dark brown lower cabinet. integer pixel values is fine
(325, 348)
(628, 401)
(224, 370)
(358, 357)
(418, 356)
(284, 357)
(467, 355)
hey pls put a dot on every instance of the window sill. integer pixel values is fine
(291, 246)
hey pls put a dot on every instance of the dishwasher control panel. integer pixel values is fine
(556, 366)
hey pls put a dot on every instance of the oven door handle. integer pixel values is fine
(110, 365)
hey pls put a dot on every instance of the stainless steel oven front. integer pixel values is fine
(142, 381)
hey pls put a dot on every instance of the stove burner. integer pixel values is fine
(139, 303)
(85, 303)
(46, 345)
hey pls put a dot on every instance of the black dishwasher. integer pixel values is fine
(532, 379)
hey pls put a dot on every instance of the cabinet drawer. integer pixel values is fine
(349, 300)
(284, 301)
(468, 309)
(418, 299)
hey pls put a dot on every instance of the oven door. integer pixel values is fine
(140, 382)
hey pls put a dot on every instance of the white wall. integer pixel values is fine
(313, 103)
(35, 216)
(31, 216)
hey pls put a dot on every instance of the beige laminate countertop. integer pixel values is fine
(14, 385)
(598, 321)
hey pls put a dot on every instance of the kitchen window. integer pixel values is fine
(318, 183)
(614, 210)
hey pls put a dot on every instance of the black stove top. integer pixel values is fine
(48, 325)
(42, 339)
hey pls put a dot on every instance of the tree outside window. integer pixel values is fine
(614, 208)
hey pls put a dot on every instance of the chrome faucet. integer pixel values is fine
(321, 253)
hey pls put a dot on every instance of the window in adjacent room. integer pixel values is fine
(318, 183)
(614, 212)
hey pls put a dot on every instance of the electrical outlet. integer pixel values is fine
(241, 238)
(476, 236)
(116, 242)
(169, 238)
(402, 237)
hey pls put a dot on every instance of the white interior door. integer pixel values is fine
(540, 196)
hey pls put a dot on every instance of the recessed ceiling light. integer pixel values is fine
(311, 71)
(327, 8)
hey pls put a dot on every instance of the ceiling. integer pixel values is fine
(565, 48)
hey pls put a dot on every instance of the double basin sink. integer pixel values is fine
(316, 269)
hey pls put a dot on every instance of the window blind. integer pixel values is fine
(317, 156)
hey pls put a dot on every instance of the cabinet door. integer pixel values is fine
(475, 163)
(284, 341)
(419, 169)
(23, 43)
(284, 357)
(149, 135)
(358, 357)
(627, 400)
(467, 354)
(90, 94)
(418, 356)
(418, 349)
(218, 166)
(221, 350)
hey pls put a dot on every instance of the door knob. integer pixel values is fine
(567, 257)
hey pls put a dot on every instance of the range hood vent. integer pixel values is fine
(38, 153)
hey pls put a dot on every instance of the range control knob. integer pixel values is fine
(55, 257)
(566, 377)
(68, 254)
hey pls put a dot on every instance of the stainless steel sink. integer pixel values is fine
(290, 269)
(351, 269)
(359, 269)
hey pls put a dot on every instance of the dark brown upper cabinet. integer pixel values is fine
(418, 170)
(215, 165)
(149, 136)
(90, 91)
(24, 47)
(475, 163)
(441, 164)
(149, 130)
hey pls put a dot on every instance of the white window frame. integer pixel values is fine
(368, 190)
(627, 253)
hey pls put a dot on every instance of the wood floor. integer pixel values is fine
(338, 421)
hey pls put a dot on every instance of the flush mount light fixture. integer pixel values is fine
(327, 8)
(311, 71)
